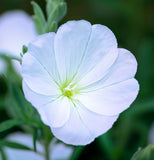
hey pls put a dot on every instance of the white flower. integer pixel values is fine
(56, 151)
(78, 80)
(16, 29)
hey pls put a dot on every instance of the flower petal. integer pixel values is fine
(123, 69)
(16, 29)
(42, 49)
(37, 77)
(96, 123)
(80, 46)
(111, 100)
(73, 131)
(100, 69)
(70, 43)
(56, 113)
(100, 44)
(83, 126)
(37, 100)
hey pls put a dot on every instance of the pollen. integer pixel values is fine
(67, 92)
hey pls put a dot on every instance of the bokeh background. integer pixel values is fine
(132, 21)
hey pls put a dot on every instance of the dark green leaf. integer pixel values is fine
(2, 155)
(77, 152)
(9, 124)
(34, 140)
(24, 49)
(13, 145)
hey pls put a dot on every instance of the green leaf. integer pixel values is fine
(34, 140)
(24, 49)
(54, 26)
(144, 154)
(38, 12)
(9, 124)
(105, 142)
(2, 102)
(2, 155)
(141, 107)
(13, 145)
(18, 102)
(51, 4)
(38, 25)
(38, 17)
(56, 15)
(77, 152)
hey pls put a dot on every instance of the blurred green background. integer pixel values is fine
(132, 21)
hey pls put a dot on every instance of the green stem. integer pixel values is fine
(48, 138)
(46, 147)
(47, 152)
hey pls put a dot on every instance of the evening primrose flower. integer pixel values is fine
(16, 29)
(78, 80)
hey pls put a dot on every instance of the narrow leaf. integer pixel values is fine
(146, 153)
(9, 124)
(38, 18)
(53, 27)
(38, 25)
(38, 12)
(34, 140)
(51, 5)
(13, 145)
(2, 155)
(56, 15)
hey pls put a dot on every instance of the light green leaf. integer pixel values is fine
(144, 154)
(38, 12)
(38, 17)
(54, 26)
(51, 4)
(38, 25)
(56, 15)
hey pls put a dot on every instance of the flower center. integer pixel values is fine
(67, 92)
